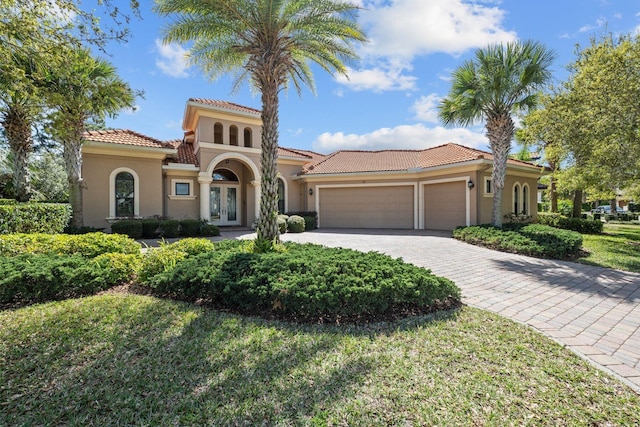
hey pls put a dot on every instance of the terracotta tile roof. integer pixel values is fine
(185, 153)
(124, 137)
(354, 161)
(226, 105)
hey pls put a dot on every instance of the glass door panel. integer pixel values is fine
(216, 208)
(232, 205)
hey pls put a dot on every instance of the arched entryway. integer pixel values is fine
(230, 190)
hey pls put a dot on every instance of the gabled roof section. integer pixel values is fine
(225, 105)
(358, 161)
(125, 137)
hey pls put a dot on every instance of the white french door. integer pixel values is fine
(224, 204)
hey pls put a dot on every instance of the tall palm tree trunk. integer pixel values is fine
(73, 165)
(500, 130)
(267, 223)
(17, 128)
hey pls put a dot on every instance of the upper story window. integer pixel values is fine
(247, 138)
(217, 133)
(233, 135)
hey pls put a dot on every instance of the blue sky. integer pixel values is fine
(391, 98)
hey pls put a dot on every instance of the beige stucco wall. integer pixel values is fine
(181, 207)
(96, 170)
(295, 189)
(486, 200)
(205, 131)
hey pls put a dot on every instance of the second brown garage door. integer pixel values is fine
(367, 207)
(445, 206)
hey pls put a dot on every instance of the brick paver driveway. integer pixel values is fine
(594, 311)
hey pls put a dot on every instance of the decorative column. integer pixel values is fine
(256, 193)
(204, 179)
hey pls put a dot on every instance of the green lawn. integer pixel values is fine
(120, 359)
(618, 247)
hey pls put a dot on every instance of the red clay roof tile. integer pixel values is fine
(124, 137)
(226, 105)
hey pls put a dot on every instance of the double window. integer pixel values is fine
(520, 199)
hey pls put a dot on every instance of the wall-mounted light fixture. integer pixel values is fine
(470, 184)
(311, 191)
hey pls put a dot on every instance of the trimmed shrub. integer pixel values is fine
(159, 260)
(310, 222)
(282, 224)
(296, 224)
(586, 226)
(209, 230)
(130, 227)
(190, 227)
(118, 268)
(169, 228)
(530, 239)
(39, 277)
(193, 246)
(34, 217)
(150, 228)
(306, 282)
(87, 245)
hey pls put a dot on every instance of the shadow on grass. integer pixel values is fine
(143, 361)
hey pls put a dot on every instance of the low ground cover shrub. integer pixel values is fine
(586, 226)
(44, 277)
(526, 239)
(34, 217)
(87, 245)
(306, 282)
(165, 257)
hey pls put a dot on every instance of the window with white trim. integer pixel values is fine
(525, 199)
(516, 199)
(181, 189)
(488, 186)
(281, 195)
(124, 193)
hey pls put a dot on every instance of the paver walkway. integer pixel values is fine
(594, 311)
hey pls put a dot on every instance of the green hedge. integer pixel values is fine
(586, 226)
(295, 224)
(526, 239)
(129, 227)
(40, 277)
(34, 217)
(151, 228)
(88, 245)
(305, 282)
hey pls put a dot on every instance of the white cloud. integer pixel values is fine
(414, 137)
(426, 108)
(173, 59)
(400, 30)
(381, 78)
(406, 28)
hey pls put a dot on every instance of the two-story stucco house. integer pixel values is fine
(213, 173)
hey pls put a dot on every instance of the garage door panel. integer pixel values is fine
(445, 205)
(367, 207)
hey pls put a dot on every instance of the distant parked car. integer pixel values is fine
(606, 209)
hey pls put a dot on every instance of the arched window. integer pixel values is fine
(525, 199)
(247, 137)
(224, 175)
(217, 133)
(516, 199)
(282, 196)
(124, 193)
(233, 135)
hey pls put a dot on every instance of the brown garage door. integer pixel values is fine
(366, 207)
(445, 205)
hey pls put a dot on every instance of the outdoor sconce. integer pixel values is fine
(470, 184)
(311, 191)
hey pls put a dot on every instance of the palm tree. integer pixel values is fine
(502, 80)
(270, 43)
(81, 90)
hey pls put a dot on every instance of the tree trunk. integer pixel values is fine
(267, 223)
(73, 165)
(553, 192)
(500, 129)
(577, 204)
(17, 128)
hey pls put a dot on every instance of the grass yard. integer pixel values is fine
(618, 247)
(118, 359)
